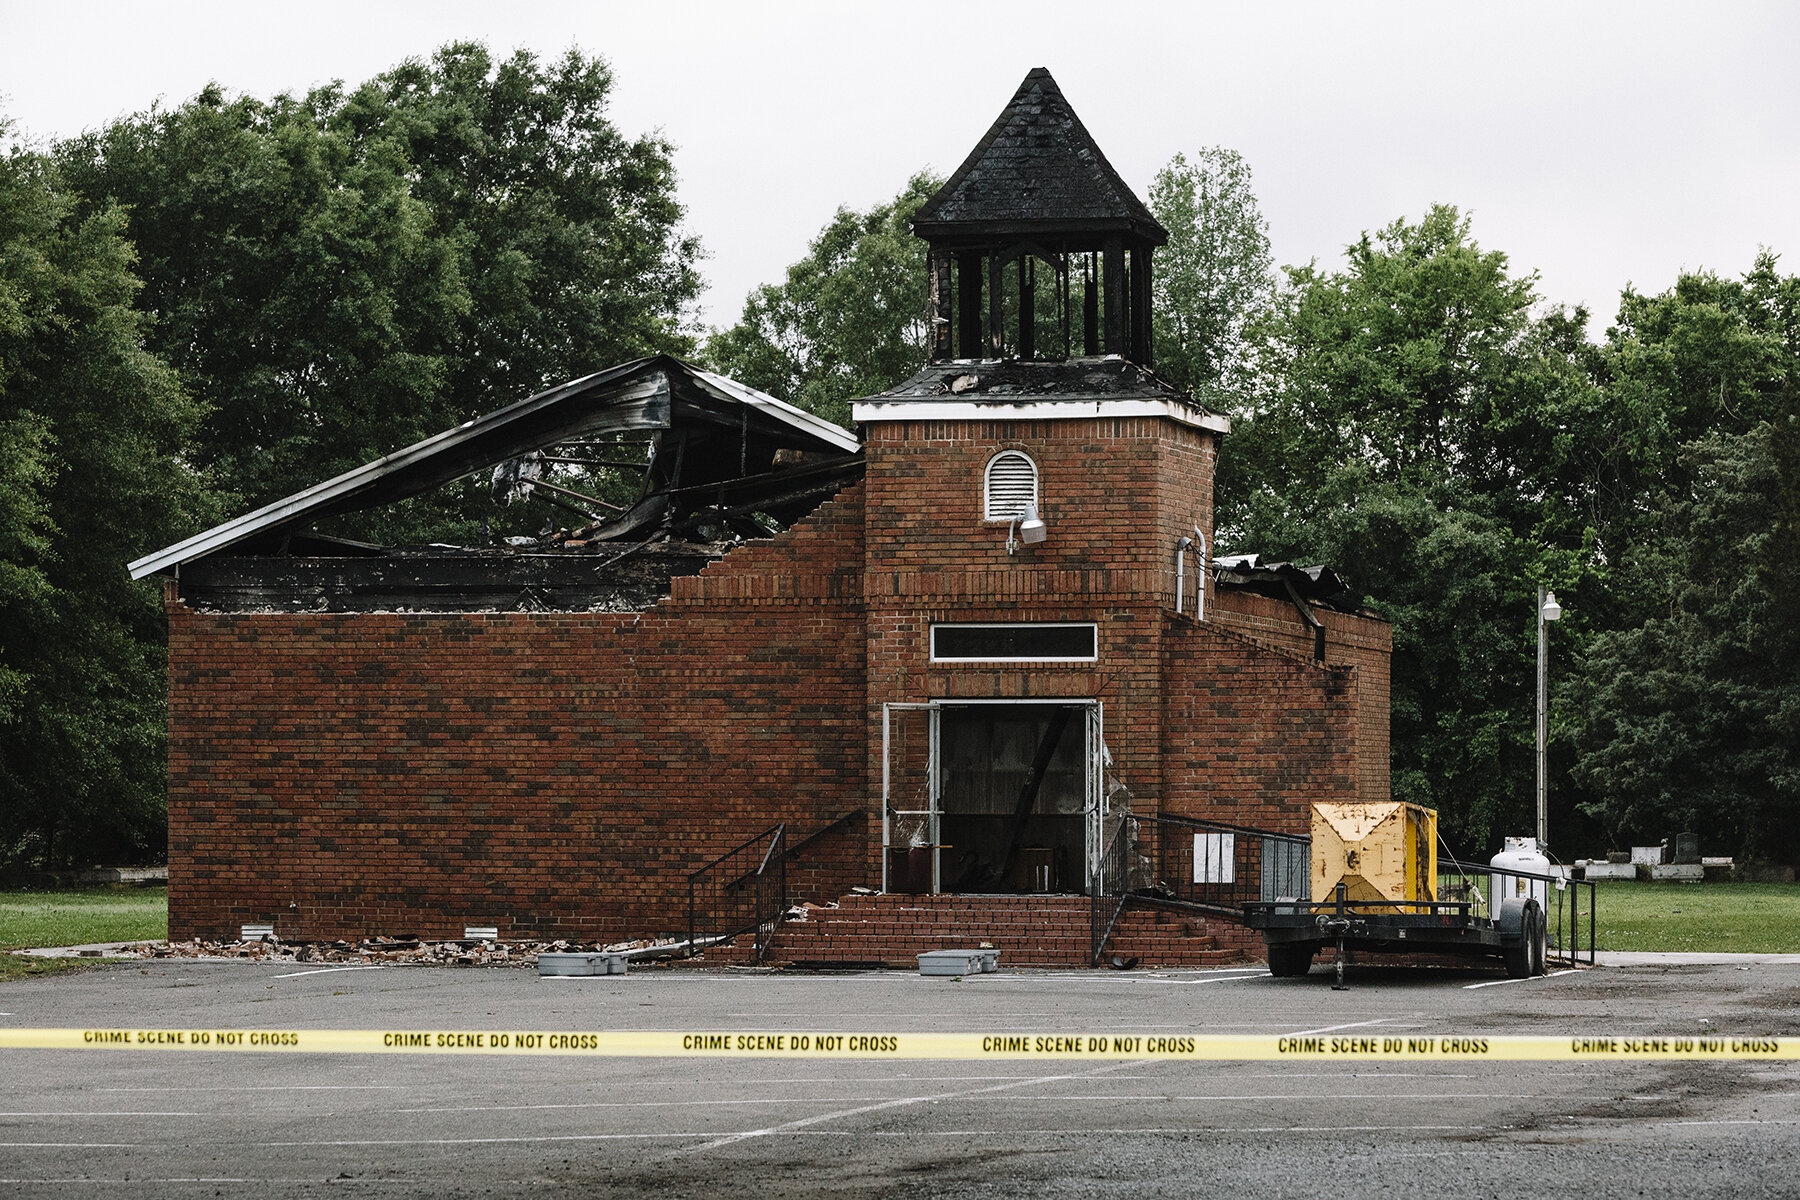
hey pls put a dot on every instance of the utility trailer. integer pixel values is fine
(1385, 890)
(1295, 930)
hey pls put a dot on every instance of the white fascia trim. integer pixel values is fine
(1041, 410)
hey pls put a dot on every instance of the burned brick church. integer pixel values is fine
(972, 671)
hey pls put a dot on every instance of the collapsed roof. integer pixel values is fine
(1286, 581)
(718, 453)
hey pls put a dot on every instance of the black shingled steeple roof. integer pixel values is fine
(1037, 171)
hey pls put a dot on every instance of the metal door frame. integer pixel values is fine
(1093, 804)
(887, 785)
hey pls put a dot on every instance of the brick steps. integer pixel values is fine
(1029, 931)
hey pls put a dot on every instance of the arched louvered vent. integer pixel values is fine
(1012, 485)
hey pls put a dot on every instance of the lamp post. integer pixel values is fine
(1547, 610)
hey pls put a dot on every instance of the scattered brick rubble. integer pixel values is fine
(400, 950)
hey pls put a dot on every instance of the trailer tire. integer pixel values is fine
(1540, 937)
(1518, 960)
(1518, 921)
(1287, 960)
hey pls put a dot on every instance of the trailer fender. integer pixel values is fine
(1511, 919)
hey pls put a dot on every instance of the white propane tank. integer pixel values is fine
(1520, 854)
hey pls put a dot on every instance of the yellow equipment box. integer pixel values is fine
(1385, 851)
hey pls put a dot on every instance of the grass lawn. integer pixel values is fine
(1722, 917)
(77, 918)
(30, 919)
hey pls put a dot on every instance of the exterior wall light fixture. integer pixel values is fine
(1026, 528)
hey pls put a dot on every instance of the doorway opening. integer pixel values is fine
(991, 796)
(1012, 797)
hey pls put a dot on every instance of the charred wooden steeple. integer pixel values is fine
(1035, 190)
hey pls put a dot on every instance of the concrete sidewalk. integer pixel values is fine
(1686, 958)
(96, 950)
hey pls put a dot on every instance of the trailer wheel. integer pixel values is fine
(1518, 959)
(1289, 959)
(1524, 953)
(1540, 937)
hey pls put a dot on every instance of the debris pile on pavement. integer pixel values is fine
(385, 949)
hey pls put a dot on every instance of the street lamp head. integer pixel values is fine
(1551, 610)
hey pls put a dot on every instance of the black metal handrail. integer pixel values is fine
(1109, 888)
(1211, 867)
(1219, 867)
(743, 889)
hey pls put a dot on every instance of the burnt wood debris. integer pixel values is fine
(714, 463)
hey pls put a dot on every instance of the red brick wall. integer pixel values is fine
(1116, 495)
(561, 774)
(1364, 643)
(554, 774)
(1251, 735)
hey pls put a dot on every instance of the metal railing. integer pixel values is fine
(1567, 903)
(1217, 867)
(1110, 888)
(742, 890)
(1210, 867)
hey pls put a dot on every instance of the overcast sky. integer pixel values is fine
(1597, 144)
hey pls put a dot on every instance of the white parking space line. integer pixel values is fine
(330, 971)
(904, 1102)
(1352, 1025)
(1526, 979)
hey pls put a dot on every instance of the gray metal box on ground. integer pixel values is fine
(590, 963)
(956, 962)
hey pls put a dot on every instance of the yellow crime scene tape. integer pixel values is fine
(1065, 1046)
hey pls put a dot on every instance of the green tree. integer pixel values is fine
(1685, 713)
(848, 321)
(342, 274)
(1691, 720)
(91, 475)
(1213, 277)
(1406, 424)
(1707, 356)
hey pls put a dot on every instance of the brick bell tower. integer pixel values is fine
(1038, 511)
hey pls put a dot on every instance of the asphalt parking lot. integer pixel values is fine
(186, 1123)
